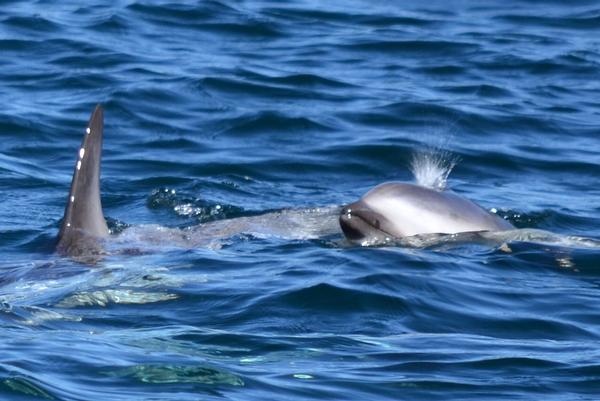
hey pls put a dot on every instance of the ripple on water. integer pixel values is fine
(174, 374)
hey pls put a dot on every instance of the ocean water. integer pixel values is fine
(246, 111)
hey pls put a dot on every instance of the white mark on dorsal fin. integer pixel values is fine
(81, 153)
(68, 224)
(72, 199)
(79, 165)
(88, 130)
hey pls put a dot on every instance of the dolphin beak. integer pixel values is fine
(351, 225)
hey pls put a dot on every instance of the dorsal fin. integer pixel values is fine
(83, 220)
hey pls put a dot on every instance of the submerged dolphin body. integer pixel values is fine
(83, 225)
(84, 233)
(395, 210)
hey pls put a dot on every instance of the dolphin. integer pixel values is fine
(83, 226)
(394, 210)
(84, 234)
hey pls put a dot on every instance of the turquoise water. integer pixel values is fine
(224, 110)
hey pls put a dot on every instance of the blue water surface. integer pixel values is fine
(223, 109)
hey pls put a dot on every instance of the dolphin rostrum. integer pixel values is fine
(83, 224)
(395, 210)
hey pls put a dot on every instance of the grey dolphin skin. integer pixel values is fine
(83, 224)
(397, 210)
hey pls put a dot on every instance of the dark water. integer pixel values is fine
(216, 110)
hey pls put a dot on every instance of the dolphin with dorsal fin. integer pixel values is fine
(83, 225)
(84, 234)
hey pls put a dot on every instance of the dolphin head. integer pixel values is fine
(361, 223)
(373, 217)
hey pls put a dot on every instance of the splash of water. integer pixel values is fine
(432, 167)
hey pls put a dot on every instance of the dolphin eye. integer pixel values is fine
(377, 225)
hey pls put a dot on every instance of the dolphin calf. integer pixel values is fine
(395, 210)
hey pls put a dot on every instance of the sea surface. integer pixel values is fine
(230, 111)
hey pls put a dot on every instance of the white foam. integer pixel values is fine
(432, 167)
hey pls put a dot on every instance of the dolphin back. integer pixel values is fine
(415, 209)
(83, 222)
